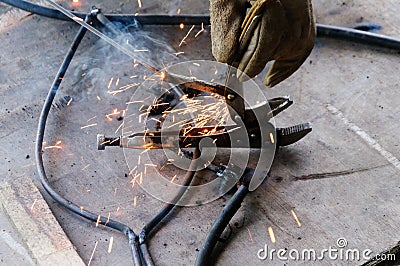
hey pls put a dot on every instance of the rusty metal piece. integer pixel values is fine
(220, 138)
(219, 135)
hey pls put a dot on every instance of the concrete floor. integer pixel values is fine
(12, 248)
(341, 181)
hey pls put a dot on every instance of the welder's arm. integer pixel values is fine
(280, 30)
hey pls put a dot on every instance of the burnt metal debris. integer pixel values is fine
(284, 136)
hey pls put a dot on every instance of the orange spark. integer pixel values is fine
(135, 102)
(115, 112)
(296, 218)
(141, 178)
(28, 165)
(163, 75)
(123, 88)
(271, 234)
(248, 231)
(186, 36)
(98, 221)
(181, 26)
(134, 201)
(120, 126)
(56, 146)
(70, 101)
(110, 245)
(131, 172)
(200, 31)
(94, 249)
(33, 204)
(108, 219)
(133, 181)
(271, 136)
(91, 118)
(110, 82)
(173, 178)
(91, 125)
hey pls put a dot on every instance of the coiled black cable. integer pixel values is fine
(204, 256)
(138, 245)
(167, 209)
(132, 237)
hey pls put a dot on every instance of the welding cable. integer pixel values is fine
(123, 18)
(213, 235)
(344, 33)
(132, 237)
(150, 226)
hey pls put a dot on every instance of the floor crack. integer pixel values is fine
(335, 174)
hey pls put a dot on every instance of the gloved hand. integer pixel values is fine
(280, 30)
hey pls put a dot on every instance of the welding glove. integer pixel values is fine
(280, 30)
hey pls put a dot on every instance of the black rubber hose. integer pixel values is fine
(150, 226)
(123, 18)
(146, 257)
(168, 207)
(359, 36)
(343, 33)
(39, 157)
(204, 256)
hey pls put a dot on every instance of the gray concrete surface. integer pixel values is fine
(12, 248)
(35, 225)
(341, 181)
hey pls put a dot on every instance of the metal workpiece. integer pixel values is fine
(219, 135)
(157, 140)
(279, 104)
(289, 135)
(103, 141)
